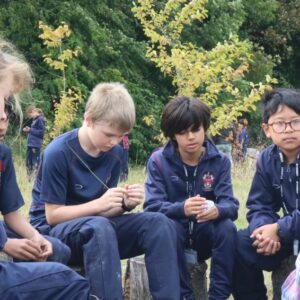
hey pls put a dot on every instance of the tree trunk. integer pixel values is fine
(136, 285)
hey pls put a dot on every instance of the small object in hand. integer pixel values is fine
(124, 205)
(210, 204)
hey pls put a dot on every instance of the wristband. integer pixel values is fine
(124, 206)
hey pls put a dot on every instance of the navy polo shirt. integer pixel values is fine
(64, 179)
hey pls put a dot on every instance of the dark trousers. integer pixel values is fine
(32, 159)
(249, 267)
(100, 242)
(41, 281)
(215, 239)
(61, 252)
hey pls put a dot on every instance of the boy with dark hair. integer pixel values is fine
(189, 181)
(269, 237)
(75, 193)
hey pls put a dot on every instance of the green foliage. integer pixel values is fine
(57, 58)
(113, 48)
(217, 75)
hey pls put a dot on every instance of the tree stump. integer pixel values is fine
(279, 275)
(136, 285)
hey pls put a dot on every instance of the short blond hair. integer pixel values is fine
(112, 103)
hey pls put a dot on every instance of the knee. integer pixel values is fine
(97, 226)
(159, 220)
(227, 228)
(61, 252)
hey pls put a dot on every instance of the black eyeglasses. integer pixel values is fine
(280, 126)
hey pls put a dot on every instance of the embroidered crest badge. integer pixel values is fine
(208, 181)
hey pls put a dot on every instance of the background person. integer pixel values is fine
(35, 138)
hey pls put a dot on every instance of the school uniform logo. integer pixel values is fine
(208, 181)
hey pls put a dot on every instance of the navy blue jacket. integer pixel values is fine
(166, 182)
(36, 133)
(264, 200)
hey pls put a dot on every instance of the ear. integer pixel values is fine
(88, 120)
(266, 129)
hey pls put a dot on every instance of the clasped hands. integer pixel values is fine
(197, 206)
(133, 195)
(36, 249)
(266, 239)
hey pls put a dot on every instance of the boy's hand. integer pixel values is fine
(266, 239)
(23, 249)
(44, 245)
(194, 206)
(207, 215)
(134, 196)
(111, 199)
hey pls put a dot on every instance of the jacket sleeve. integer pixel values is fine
(290, 227)
(3, 236)
(226, 203)
(262, 205)
(157, 199)
(39, 129)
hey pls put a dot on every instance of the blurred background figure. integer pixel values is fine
(124, 168)
(35, 139)
(224, 140)
(241, 141)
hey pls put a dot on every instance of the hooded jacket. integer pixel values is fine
(166, 182)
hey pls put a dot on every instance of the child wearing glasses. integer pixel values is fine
(270, 236)
(189, 181)
(76, 193)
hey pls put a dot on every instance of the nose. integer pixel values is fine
(288, 127)
(3, 114)
(190, 135)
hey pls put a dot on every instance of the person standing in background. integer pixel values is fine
(224, 140)
(35, 138)
(243, 138)
(125, 146)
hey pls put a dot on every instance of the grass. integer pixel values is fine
(241, 175)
